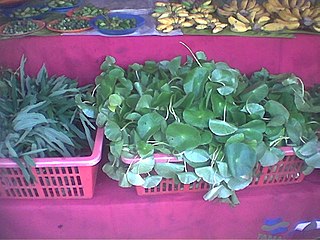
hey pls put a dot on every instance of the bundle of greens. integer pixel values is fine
(40, 118)
(218, 122)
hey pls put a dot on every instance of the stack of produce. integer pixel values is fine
(172, 16)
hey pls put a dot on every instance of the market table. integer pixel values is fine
(120, 213)
(115, 212)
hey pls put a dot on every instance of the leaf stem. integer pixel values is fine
(189, 49)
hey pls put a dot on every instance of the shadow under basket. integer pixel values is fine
(56, 178)
(286, 171)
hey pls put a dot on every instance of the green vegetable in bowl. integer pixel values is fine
(20, 27)
(62, 3)
(116, 23)
(90, 11)
(29, 12)
(70, 24)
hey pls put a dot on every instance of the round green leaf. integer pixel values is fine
(239, 183)
(145, 165)
(182, 136)
(149, 124)
(115, 100)
(314, 160)
(152, 181)
(241, 159)
(271, 157)
(255, 109)
(144, 149)
(196, 155)
(168, 170)
(187, 177)
(213, 193)
(209, 175)
(221, 128)
(135, 179)
(110, 171)
(198, 118)
(112, 131)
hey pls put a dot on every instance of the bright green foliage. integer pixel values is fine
(40, 118)
(217, 121)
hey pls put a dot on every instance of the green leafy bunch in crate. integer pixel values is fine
(218, 122)
(40, 118)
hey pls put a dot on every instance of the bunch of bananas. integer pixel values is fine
(244, 7)
(206, 21)
(171, 16)
(240, 23)
(292, 15)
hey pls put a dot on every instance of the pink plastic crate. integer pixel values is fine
(286, 171)
(56, 178)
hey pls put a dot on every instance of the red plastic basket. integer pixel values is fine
(286, 171)
(56, 178)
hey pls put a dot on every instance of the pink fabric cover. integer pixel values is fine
(80, 56)
(115, 212)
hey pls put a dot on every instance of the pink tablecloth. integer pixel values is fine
(80, 56)
(119, 213)
(116, 213)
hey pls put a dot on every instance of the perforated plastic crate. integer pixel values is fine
(286, 171)
(56, 178)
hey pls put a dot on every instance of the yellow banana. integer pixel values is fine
(251, 4)
(293, 3)
(200, 21)
(237, 24)
(187, 24)
(286, 3)
(252, 16)
(306, 5)
(239, 28)
(165, 15)
(286, 15)
(275, 3)
(228, 8)
(296, 12)
(160, 4)
(162, 26)
(222, 12)
(306, 13)
(300, 3)
(217, 29)
(242, 18)
(201, 26)
(271, 27)
(234, 4)
(206, 3)
(183, 14)
(316, 27)
(166, 20)
(168, 29)
(315, 12)
(263, 19)
(222, 25)
(156, 15)
(292, 25)
(243, 4)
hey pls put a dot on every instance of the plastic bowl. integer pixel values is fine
(11, 3)
(71, 13)
(10, 12)
(40, 24)
(66, 31)
(66, 9)
(139, 22)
